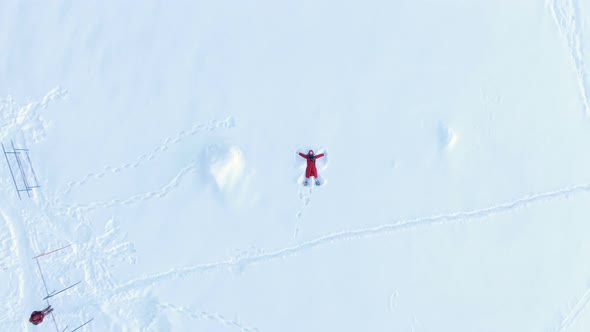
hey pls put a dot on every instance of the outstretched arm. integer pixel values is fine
(301, 154)
(319, 156)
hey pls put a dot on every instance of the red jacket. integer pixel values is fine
(311, 170)
(37, 317)
(311, 161)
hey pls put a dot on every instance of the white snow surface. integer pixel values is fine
(164, 136)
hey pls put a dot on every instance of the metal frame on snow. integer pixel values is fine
(24, 169)
(55, 292)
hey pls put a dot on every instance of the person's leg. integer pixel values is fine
(314, 173)
(307, 175)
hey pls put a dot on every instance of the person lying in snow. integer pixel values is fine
(311, 170)
(37, 316)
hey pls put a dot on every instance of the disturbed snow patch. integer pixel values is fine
(27, 119)
(228, 168)
(231, 176)
(448, 138)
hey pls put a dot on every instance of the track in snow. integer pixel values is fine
(197, 128)
(198, 314)
(97, 252)
(78, 209)
(575, 312)
(566, 14)
(401, 226)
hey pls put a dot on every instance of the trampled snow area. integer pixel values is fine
(164, 135)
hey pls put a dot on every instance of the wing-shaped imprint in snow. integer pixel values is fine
(566, 14)
(227, 123)
(397, 227)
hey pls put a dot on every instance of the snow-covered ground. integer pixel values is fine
(165, 134)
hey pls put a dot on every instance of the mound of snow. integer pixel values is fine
(448, 137)
(228, 169)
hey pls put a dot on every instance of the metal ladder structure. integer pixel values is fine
(22, 169)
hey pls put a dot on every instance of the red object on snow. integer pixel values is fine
(311, 170)
(37, 317)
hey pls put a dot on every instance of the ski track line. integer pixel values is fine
(566, 14)
(575, 312)
(401, 226)
(19, 252)
(227, 123)
(5, 245)
(184, 311)
(9, 244)
(78, 209)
